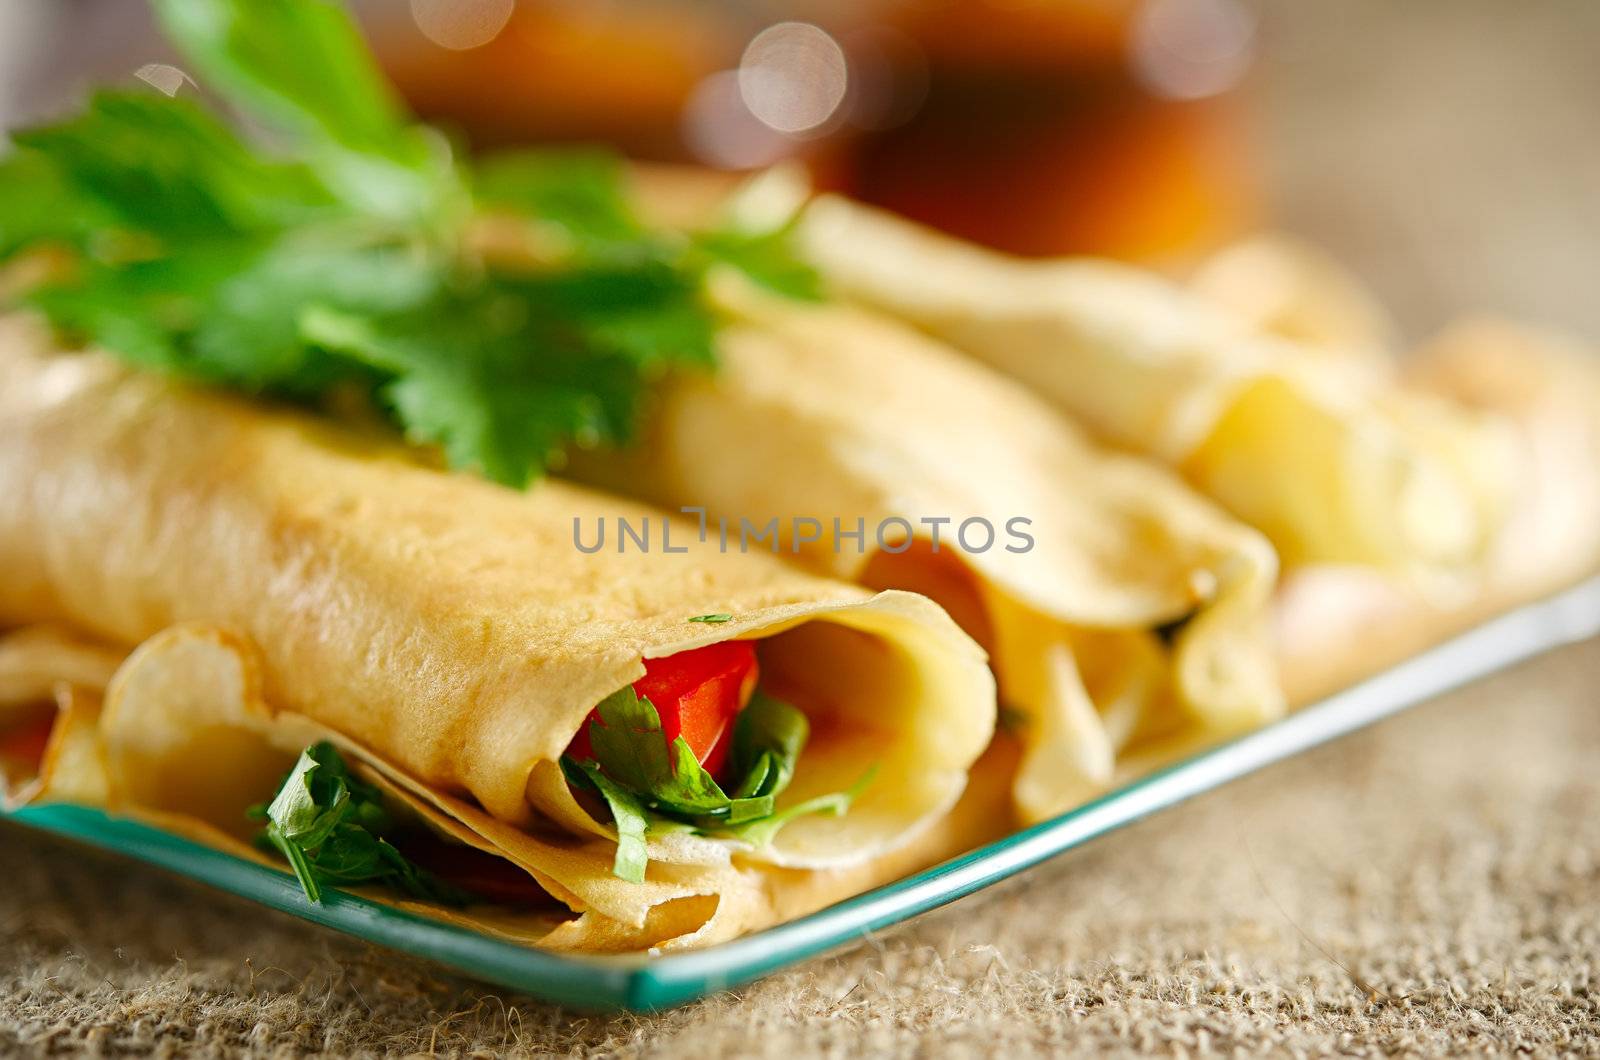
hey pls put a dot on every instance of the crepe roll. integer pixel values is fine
(262, 582)
(1334, 462)
(1116, 603)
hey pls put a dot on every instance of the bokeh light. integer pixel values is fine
(793, 77)
(461, 24)
(1191, 49)
(720, 131)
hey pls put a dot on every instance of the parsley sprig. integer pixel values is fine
(652, 787)
(351, 260)
(329, 826)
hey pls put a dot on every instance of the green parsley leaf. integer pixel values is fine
(633, 854)
(167, 167)
(324, 821)
(41, 206)
(350, 264)
(762, 832)
(649, 313)
(756, 778)
(462, 376)
(301, 66)
(581, 191)
(301, 62)
(712, 619)
(629, 745)
(767, 740)
(252, 333)
(767, 257)
(145, 310)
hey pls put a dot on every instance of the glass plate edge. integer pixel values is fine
(640, 984)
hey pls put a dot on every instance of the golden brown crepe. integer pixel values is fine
(1138, 610)
(285, 582)
(1330, 460)
(1280, 285)
(1339, 622)
(1408, 498)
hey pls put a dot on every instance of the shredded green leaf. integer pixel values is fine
(327, 824)
(767, 740)
(763, 831)
(632, 821)
(712, 619)
(352, 261)
(654, 788)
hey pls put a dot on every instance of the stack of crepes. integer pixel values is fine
(205, 586)
(286, 581)
(1405, 497)
(1134, 610)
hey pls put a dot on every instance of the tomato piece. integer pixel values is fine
(697, 693)
(488, 876)
(26, 743)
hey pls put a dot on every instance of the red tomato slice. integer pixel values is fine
(26, 743)
(697, 693)
(489, 876)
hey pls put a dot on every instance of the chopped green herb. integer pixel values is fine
(652, 787)
(767, 741)
(762, 832)
(712, 619)
(354, 259)
(327, 824)
(629, 745)
(631, 819)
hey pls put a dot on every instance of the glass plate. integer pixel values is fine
(645, 983)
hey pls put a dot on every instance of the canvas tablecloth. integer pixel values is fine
(1431, 885)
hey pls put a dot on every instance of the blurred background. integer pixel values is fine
(1445, 149)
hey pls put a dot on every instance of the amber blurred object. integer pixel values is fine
(1028, 129)
(617, 73)
(1034, 137)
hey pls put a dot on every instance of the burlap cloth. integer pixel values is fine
(1428, 886)
(1432, 885)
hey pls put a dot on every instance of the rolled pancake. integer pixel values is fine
(447, 632)
(83, 763)
(829, 412)
(1334, 465)
(1408, 499)
(1340, 623)
(1278, 284)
